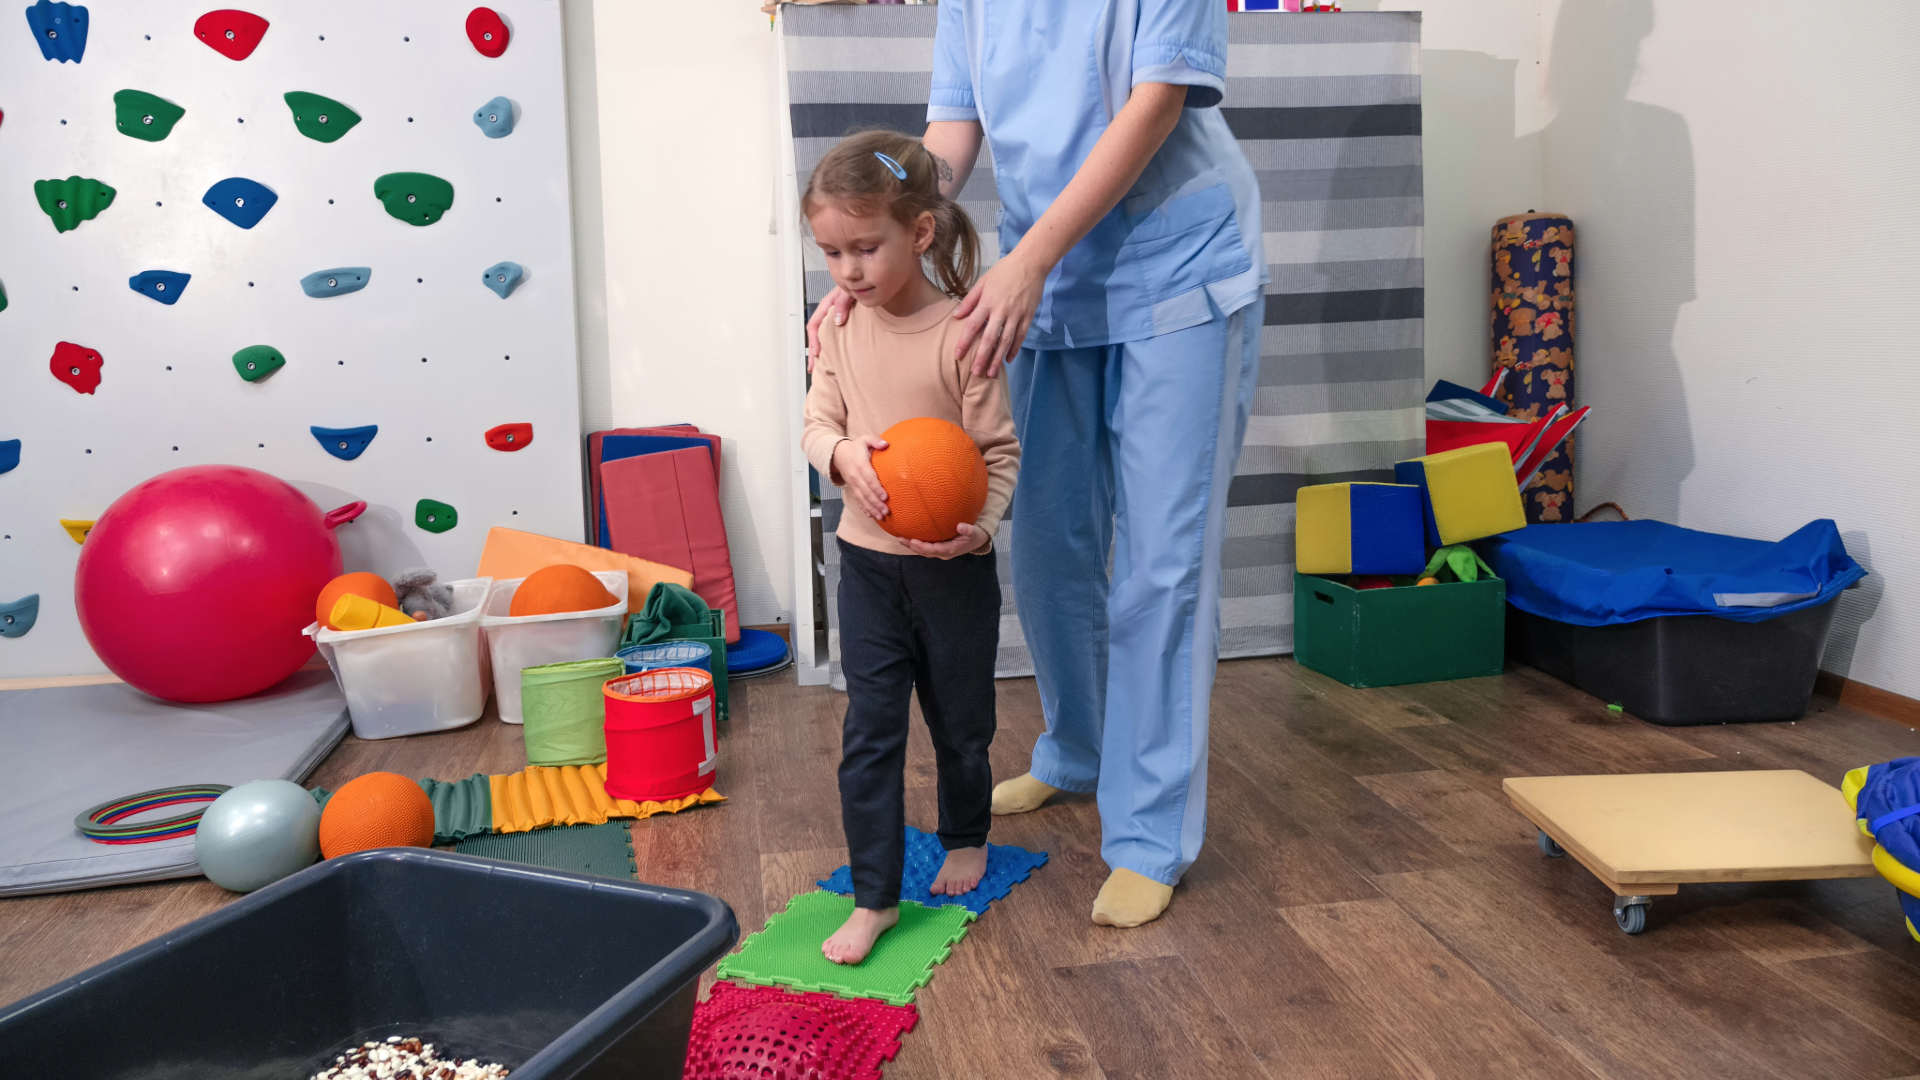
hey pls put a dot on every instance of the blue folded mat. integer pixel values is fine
(1007, 866)
(1612, 572)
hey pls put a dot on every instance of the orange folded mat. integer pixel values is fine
(510, 553)
(538, 797)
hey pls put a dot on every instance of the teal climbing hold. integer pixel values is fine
(73, 200)
(495, 118)
(9, 455)
(503, 278)
(256, 362)
(338, 281)
(17, 616)
(435, 517)
(144, 116)
(415, 198)
(346, 443)
(319, 118)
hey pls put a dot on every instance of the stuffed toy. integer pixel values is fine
(421, 597)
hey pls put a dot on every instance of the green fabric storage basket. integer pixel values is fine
(1406, 634)
(564, 712)
(713, 636)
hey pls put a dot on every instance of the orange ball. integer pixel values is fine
(557, 588)
(372, 586)
(934, 476)
(380, 809)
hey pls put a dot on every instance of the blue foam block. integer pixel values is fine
(1007, 866)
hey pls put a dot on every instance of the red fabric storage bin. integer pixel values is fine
(661, 742)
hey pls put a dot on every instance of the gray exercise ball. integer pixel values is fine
(258, 833)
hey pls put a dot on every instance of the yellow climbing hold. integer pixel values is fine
(77, 529)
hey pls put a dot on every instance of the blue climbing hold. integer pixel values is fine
(162, 285)
(495, 118)
(338, 281)
(346, 443)
(503, 278)
(9, 455)
(61, 30)
(16, 617)
(239, 200)
(1007, 866)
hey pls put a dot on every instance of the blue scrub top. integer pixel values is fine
(1044, 78)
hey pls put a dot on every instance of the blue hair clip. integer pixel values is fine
(892, 166)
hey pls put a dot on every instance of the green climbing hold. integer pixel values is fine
(256, 362)
(321, 119)
(435, 517)
(73, 200)
(413, 197)
(145, 116)
(3, 298)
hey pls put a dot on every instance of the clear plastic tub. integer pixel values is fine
(532, 640)
(403, 680)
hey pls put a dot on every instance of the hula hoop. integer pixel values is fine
(100, 824)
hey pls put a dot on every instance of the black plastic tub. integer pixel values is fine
(552, 974)
(1683, 669)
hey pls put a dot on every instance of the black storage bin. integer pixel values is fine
(1683, 669)
(552, 974)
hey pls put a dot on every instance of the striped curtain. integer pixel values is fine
(1327, 109)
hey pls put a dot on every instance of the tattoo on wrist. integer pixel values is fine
(940, 165)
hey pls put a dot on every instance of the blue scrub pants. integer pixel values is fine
(1130, 448)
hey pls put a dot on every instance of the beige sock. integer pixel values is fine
(1020, 794)
(1129, 899)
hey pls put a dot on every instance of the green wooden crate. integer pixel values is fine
(1408, 634)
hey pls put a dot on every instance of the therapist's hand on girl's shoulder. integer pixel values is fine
(998, 311)
(836, 303)
(853, 460)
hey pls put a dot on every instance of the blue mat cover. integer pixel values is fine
(1606, 573)
(1007, 866)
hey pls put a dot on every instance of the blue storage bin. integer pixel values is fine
(662, 654)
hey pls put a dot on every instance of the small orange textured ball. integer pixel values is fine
(380, 809)
(372, 586)
(557, 588)
(934, 476)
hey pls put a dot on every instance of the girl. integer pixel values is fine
(913, 615)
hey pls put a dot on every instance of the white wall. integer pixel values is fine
(1744, 177)
(677, 269)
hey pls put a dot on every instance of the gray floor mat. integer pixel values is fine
(72, 747)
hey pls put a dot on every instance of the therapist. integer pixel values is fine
(1127, 304)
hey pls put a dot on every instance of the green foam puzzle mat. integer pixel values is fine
(606, 850)
(787, 952)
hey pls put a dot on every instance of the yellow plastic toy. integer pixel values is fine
(353, 612)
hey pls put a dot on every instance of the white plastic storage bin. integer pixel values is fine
(532, 640)
(403, 680)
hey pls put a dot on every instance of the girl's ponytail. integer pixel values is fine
(955, 251)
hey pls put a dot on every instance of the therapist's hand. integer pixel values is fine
(997, 312)
(836, 303)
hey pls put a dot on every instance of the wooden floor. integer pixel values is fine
(1367, 905)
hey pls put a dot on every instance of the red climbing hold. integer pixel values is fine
(231, 33)
(487, 31)
(510, 437)
(77, 366)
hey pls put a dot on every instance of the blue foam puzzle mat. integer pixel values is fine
(1007, 866)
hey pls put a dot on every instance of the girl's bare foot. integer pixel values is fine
(854, 940)
(961, 873)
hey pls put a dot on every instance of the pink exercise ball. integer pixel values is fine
(194, 585)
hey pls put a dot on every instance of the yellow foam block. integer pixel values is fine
(1469, 493)
(510, 553)
(538, 797)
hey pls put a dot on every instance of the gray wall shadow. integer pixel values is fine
(1857, 606)
(1624, 171)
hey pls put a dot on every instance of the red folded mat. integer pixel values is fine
(665, 507)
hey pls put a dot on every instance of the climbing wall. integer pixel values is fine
(198, 268)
